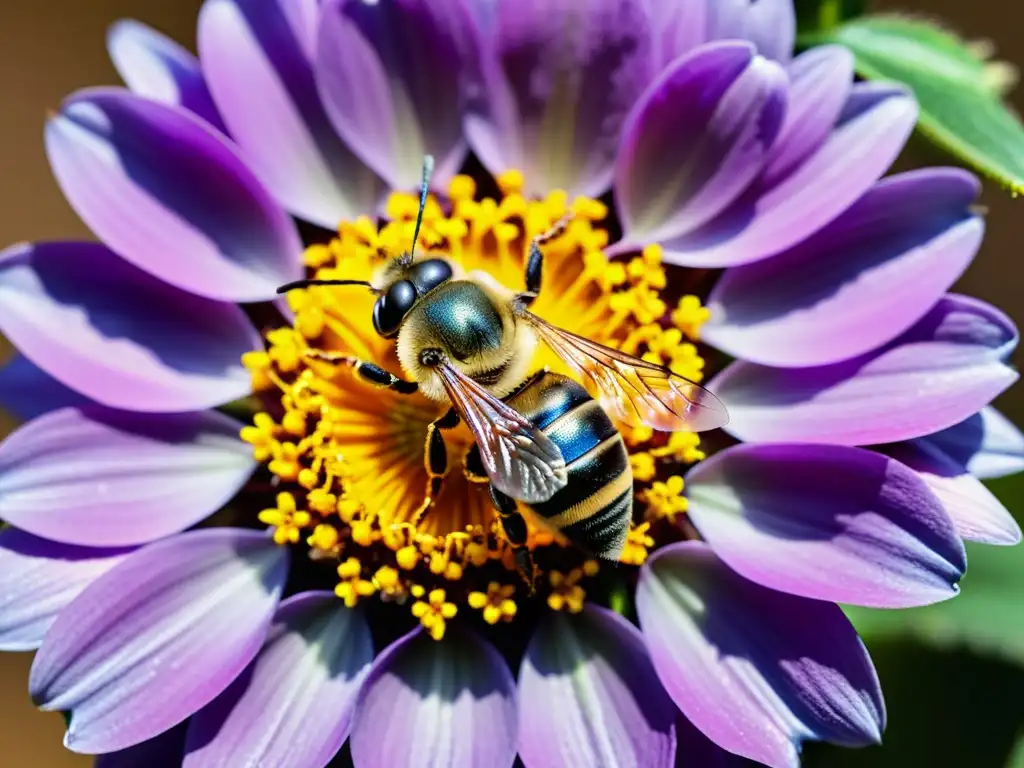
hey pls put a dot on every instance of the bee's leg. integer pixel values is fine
(435, 460)
(515, 532)
(473, 466)
(535, 260)
(368, 372)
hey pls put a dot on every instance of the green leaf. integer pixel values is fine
(823, 15)
(958, 89)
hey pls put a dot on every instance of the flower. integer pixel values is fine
(261, 591)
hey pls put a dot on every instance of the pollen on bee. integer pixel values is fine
(347, 460)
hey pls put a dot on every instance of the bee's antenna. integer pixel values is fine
(428, 168)
(306, 283)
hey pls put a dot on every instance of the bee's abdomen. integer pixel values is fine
(595, 508)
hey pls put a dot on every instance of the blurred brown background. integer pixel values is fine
(49, 48)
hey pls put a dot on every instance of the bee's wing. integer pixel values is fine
(520, 460)
(632, 390)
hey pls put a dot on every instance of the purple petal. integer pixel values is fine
(159, 636)
(679, 27)
(118, 335)
(163, 751)
(589, 696)
(294, 705)
(769, 24)
(986, 444)
(820, 82)
(768, 220)
(371, 65)
(154, 66)
(757, 671)
(945, 368)
(557, 85)
(976, 513)
(829, 522)
(27, 391)
(859, 282)
(98, 477)
(171, 195)
(449, 703)
(696, 140)
(38, 578)
(258, 59)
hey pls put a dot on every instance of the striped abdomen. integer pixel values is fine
(595, 508)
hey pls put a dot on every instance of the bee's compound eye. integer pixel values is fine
(390, 309)
(430, 273)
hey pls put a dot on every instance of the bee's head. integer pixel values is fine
(400, 283)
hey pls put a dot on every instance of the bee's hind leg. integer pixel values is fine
(514, 526)
(435, 460)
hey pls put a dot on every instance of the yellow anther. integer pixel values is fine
(591, 568)
(566, 593)
(407, 557)
(387, 579)
(496, 604)
(434, 613)
(665, 500)
(322, 501)
(294, 422)
(348, 508)
(643, 465)
(690, 315)
(308, 478)
(589, 209)
(683, 447)
(324, 537)
(352, 586)
(286, 463)
(417, 591)
(638, 544)
(310, 322)
(258, 365)
(511, 181)
(261, 437)
(461, 187)
(363, 533)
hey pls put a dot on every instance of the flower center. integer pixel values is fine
(348, 458)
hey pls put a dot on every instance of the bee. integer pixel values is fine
(540, 439)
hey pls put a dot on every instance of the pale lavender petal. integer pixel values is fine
(679, 27)
(948, 366)
(170, 194)
(258, 59)
(588, 696)
(820, 81)
(697, 138)
(154, 66)
(859, 282)
(294, 704)
(829, 522)
(987, 444)
(163, 751)
(975, 511)
(38, 578)
(27, 391)
(427, 703)
(159, 636)
(558, 80)
(769, 24)
(118, 335)
(767, 220)
(98, 477)
(757, 671)
(390, 76)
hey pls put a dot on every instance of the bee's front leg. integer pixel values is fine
(368, 372)
(535, 260)
(435, 460)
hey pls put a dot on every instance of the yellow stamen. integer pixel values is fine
(496, 604)
(434, 613)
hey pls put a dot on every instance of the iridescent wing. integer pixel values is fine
(632, 390)
(520, 459)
